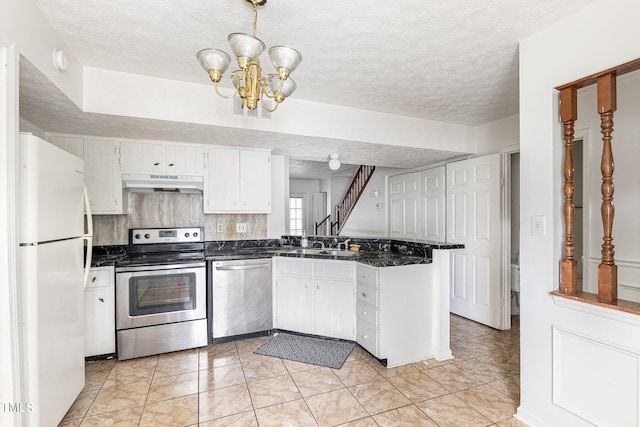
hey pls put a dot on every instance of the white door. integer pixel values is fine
(473, 219)
(433, 204)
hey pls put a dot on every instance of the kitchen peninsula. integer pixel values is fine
(392, 296)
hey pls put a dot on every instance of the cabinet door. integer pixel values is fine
(142, 157)
(334, 314)
(103, 177)
(100, 330)
(255, 181)
(222, 191)
(184, 159)
(294, 304)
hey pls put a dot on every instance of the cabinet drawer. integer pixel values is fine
(367, 294)
(295, 266)
(334, 269)
(367, 275)
(99, 278)
(368, 337)
(367, 312)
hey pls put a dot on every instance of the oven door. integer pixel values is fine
(155, 295)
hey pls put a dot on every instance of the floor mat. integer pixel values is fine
(316, 351)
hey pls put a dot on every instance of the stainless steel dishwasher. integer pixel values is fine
(241, 297)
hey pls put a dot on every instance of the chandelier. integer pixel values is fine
(248, 82)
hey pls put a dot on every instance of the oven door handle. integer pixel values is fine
(241, 267)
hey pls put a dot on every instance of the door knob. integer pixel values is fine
(101, 299)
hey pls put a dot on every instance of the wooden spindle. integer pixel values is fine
(607, 270)
(568, 265)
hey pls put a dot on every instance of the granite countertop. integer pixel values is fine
(373, 258)
(107, 256)
(106, 260)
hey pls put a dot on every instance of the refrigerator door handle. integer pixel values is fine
(88, 237)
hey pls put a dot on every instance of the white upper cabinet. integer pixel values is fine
(159, 157)
(238, 181)
(103, 178)
(102, 171)
(185, 159)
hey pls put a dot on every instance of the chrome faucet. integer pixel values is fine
(345, 243)
(318, 241)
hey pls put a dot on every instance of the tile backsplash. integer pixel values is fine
(173, 210)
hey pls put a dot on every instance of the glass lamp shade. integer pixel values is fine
(288, 86)
(246, 46)
(334, 164)
(285, 57)
(213, 59)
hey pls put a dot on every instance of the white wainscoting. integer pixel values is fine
(612, 372)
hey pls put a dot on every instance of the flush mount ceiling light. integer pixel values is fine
(334, 163)
(248, 82)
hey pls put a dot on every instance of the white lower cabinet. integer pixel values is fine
(294, 302)
(315, 297)
(394, 311)
(100, 322)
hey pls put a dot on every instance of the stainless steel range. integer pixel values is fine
(161, 303)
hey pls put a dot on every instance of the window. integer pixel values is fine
(295, 216)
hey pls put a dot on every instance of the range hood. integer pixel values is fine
(147, 183)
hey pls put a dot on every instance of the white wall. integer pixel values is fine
(366, 219)
(494, 137)
(277, 219)
(579, 363)
(626, 151)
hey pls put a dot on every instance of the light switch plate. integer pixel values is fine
(220, 227)
(537, 225)
(241, 227)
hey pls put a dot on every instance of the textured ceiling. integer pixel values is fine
(448, 60)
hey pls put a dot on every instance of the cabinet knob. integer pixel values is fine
(101, 299)
(156, 164)
(364, 313)
(365, 276)
(171, 164)
(94, 279)
(365, 337)
(318, 287)
(364, 295)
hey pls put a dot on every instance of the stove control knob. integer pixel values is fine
(137, 236)
(195, 234)
(186, 234)
(147, 236)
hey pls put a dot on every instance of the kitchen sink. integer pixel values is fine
(320, 251)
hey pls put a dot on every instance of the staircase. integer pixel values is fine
(355, 190)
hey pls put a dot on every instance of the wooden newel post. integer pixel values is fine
(607, 270)
(568, 265)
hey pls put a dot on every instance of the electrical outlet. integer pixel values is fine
(220, 227)
(241, 227)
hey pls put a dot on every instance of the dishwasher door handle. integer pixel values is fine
(241, 267)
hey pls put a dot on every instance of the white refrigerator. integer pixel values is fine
(53, 271)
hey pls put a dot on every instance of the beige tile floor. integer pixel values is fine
(228, 385)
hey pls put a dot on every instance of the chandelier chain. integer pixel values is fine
(255, 16)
